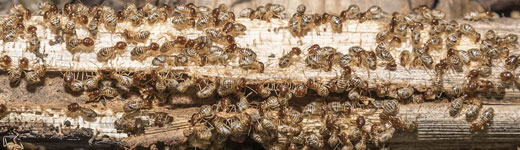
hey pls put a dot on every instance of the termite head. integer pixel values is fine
(506, 76)
(231, 48)
(471, 86)
(360, 121)
(283, 89)
(296, 51)
(31, 29)
(181, 40)
(6, 60)
(473, 74)
(73, 107)
(475, 126)
(330, 122)
(23, 63)
(121, 45)
(300, 90)
(154, 46)
(68, 77)
(451, 52)
(88, 42)
(94, 93)
(347, 70)
(313, 49)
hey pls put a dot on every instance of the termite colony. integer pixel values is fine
(276, 125)
(443, 38)
(342, 117)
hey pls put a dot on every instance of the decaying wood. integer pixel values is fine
(266, 39)
(434, 125)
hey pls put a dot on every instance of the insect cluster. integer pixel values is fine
(274, 124)
(136, 119)
(344, 116)
(301, 23)
(443, 38)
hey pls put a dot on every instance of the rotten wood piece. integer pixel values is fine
(266, 39)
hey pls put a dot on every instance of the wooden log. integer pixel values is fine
(434, 126)
(266, 39)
